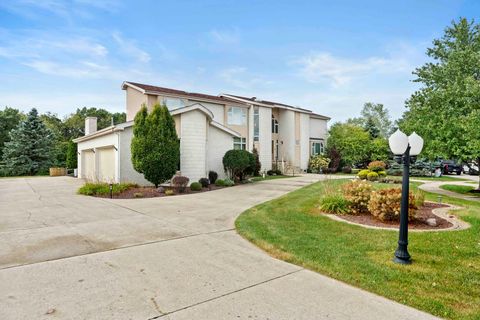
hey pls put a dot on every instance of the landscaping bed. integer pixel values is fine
(152, 192)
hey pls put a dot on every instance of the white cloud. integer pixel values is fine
(130, 48)
(323, 66)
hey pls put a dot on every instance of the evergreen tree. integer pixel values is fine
(71, 157)
(30, 149)
(371, 128)
(155, 146)
(9, 119)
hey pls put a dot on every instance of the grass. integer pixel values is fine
(256, 179)
(443, 280)
(442, 178)
(103, 189)
(459, 189)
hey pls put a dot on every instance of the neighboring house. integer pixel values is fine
(208, 126)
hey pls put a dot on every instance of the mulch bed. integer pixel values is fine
(152, 192)
(423, 213)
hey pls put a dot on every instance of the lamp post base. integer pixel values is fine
(401, 261)
(402, 256)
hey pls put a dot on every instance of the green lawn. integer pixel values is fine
(459, 189)
(255, 179)
(443, 280)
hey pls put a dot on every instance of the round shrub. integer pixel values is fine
(334, 204)
(238, 163)
(228, 182)
(357, 193)
(195, 186)
(376, 166)
(372, 176)
(220, 183)
(385, 204)
(180, 183)
(318, 162)
(347, 169)
(382, 174)
(204, 182)
(363, 174)
(212, 176)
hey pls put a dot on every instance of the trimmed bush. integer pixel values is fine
(382, 174)
(372, 176)
(220, 183)
(238, 163)
(103, 189)
(195, 186)
(274, 172)
(212, 176)
(334, 204)
(363, 174)
(169, 192)
(318, 162)
(228, 182)
(255, 170)
(357, 193)
(204, 182)
(385, 204)
(377, 166)
(347, 169)
(180, 183)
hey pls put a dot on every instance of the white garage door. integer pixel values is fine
(106, 164)
(88, 165)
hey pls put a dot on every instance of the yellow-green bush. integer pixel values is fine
(384, 204)
(372, 176)
(103, 189)
(357, 193)
(382, 174)
(363, 174)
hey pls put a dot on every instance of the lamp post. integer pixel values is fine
(405, 147)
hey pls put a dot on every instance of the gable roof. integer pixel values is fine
(149, 89)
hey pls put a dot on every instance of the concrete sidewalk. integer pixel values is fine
(65, 256)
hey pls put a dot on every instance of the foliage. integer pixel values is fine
(375, 119)
(257, 166)
(155, 146)
(372, 176)
(379, 149)
(351, 141)
(357, 193)
(71, 158)
(363, 174)
(169, 192)
(377, 166)
(30, 149)
(336, 158)
(382, 174)
(334, 203)
(180, 183)
(212, 176)
(371, 128)
(347, 169)
(103, 189)
(228, 182)
(195, 186)
(275, 172)
(237, 163)
(204, 182)
(220, 183)
(318, 162)
(384, 204)
(74, 125)
(450, 88)
(9, 119)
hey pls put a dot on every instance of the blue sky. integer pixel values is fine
(328, 56)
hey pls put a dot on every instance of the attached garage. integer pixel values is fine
(106, 164)
(88, 164)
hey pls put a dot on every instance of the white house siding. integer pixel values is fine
(85, 169)
(127, 172)
(318, 128)
(218, 110)
(193, 145)
(265, 137)
(134, 101)
(218, 143)
(286, 132)
(304, 140)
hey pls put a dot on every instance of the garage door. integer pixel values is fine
(88, 165)
(106, 164)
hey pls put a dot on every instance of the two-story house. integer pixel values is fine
(208, 126)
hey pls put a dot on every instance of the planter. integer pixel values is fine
(55, 172)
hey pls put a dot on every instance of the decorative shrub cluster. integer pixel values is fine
(180, 183)
(220, 183)
(335, 203)
(357, 193)
(318, 163)
(274, 172)
(169, 192)
(212, 176)
(347, 169)
(372, 176)
(103, 189)
(195, 186)
(376, 166)
(385, 204)
(204, 182)
(375, 171)
(228, 182)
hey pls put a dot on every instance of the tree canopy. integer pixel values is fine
(9, 119)
(374, 118)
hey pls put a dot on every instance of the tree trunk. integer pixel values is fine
(478, 169)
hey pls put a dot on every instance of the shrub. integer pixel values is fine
(103, 189)
(327, 170)
(363, 174)
(180, 183)
(138, 195)
(274, 172)
(376, 166)
(204, 182)
(419, 198)
(237, 163)
(169, 192)
(372, 176)
(334, 204)
(212, 176)
(228, 182)
(256, 165)
(385, 204)
(318, 162)
(347, 169)
(195, 186)
(382, 174)
(357, 193)
(220, 183)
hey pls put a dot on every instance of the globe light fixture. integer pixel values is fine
(404, 146)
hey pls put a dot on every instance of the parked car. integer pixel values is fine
(450, 166)
(471, 169)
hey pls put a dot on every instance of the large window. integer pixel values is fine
(317, 148)
(256, 124)
(173, 103)
(274, 125)
(239, 143)
(237, 116)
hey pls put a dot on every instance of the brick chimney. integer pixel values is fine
(90, 125)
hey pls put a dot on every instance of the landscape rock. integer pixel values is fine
(432, 222)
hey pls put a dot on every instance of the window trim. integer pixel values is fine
(256, 124)
(241, 142)
(321, 147)
(231, 113)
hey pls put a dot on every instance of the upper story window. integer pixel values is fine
(256, 124)
(239, 143)
(173, 103)
(274, 125)
(237, 116)
(317, 148)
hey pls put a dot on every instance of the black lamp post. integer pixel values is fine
(407, 147)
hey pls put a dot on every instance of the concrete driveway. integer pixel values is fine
(65, 256)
